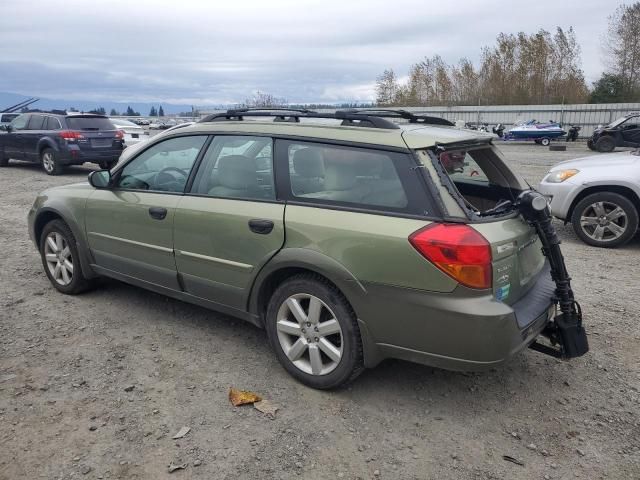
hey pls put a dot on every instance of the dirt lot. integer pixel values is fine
(95, 386)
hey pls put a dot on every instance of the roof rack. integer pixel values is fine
(404, 114)
(366, 117)
(294, 115)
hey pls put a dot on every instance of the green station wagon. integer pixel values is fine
(349, 237)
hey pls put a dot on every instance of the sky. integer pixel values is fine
(220, 52)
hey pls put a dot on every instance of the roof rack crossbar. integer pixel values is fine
(404, 114)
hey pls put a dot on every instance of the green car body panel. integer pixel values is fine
(203, 252)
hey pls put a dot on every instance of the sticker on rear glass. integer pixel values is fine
(503, 292)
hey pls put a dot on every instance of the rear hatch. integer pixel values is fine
(478, 187)
(97, 133)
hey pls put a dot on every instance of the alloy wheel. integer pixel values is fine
(604, 221)
(48, 162)
(309, 334)
(58, 257)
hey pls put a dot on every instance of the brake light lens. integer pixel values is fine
(458, 250)
(119, 134)
(70, 135)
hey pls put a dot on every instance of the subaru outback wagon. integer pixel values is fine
(349, 237)
(56, 140)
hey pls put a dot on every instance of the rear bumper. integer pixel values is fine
(75, 156)
(463, 330)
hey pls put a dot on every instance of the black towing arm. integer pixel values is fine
(566, 333)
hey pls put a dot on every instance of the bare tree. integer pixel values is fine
(622, 47)
(264, 100)
(387, 88)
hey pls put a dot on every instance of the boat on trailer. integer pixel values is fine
(541, 133)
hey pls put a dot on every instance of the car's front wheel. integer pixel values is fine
(605, 219)
(50, 163)
(605, 144)
(61, 259)
(314, 332)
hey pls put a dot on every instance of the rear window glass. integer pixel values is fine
(345, 175)
(90, 123)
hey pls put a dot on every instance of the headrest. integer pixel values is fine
(237, 172)
(308, 162)
(339, 175)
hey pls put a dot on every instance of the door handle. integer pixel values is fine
(263, 227)
(157, 213)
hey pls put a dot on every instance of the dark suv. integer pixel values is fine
(57, 140)
(623, 132)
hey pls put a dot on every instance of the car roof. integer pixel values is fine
(412, 135)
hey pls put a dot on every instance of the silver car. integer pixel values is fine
(599, 195)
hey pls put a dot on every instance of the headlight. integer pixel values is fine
(560, 175)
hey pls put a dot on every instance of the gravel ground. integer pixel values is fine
(95, 386)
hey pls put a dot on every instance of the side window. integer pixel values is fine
(164, 167)
(36, 122)
(20, 123)
(345, 175)
(237, 167)
(52, 124)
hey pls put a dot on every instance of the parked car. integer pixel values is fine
(132, 150)
(6, 118)
(623, 132)
(349, 242)
(58, 140)
(157, 125)
(599, 195)
(132, 132)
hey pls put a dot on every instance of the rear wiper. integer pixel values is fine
(502, 207)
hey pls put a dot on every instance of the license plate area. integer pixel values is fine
(101, 142)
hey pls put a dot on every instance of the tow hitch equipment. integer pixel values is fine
(566, 333)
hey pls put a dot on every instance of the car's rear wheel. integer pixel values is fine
(61, 260)
(605, 219)
(605, 144)
(50, 162)
(314, 332)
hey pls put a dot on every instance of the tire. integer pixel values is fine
(590, 145)
(107, 165)
(4, 161)
(545, 142)
(74, 281)
(605, 144)
(50, 163)
(304, 339)
(586, 222)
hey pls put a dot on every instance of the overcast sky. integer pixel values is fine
(213, 52)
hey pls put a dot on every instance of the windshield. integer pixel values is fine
(618, 122)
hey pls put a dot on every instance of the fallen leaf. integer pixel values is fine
(173, 468)
(266, 407)
(181, 433)
(513, 460)
(242, 397)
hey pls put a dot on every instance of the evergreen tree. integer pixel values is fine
(113, 112)
(153, 112)
(160, 112)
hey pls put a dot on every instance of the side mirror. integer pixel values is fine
(100, 179)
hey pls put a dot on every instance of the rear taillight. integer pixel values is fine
(70, 135)
(119, 134)
(458, 250)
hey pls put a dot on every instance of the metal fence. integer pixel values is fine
(587, 116)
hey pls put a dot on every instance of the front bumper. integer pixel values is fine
(560, 196)
(462, 330)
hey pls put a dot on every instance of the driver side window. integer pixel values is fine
(164, 167)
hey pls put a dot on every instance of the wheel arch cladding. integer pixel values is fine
(47, 215)
(619, 189)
